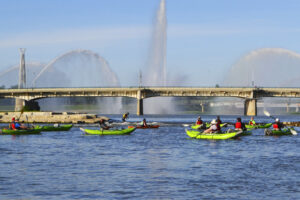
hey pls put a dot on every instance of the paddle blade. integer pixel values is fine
(267, 113)
(294, 132)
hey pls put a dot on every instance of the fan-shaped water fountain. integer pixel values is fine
(267, 67)
(9, 77)
(77, 68)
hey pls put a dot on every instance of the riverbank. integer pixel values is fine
(51, 117)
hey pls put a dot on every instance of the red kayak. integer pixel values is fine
(144, 127)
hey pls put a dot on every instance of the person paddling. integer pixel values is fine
(252, 122)
(144, 123)
(102, 125)
(213, 127)
(125, 116)
(277, 125)
(239, 125)
(12, 125)
(200, 123)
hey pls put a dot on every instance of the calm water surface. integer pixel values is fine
(150, 164)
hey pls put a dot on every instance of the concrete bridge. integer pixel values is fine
(249, 94)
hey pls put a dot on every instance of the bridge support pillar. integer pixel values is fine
(29, 105)
(140, 109)
(250, 108)
(19, 104)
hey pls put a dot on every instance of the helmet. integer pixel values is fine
(13, 119)
(277, 120)
(214, 121)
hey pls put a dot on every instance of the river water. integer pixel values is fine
(158, 163)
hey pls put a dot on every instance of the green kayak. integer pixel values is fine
(212, 136)
(126, 131)
(55, 128)
(20, 132)
(207, 125)
(286, 131)
(258, 126)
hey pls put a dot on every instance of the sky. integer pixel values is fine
(205, 38)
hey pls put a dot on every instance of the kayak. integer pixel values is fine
(19, 131)
(144, 127)
(258, 126)
(108, 132)
(55, 128)
(207, 126)
(286, 131)
(212, 136)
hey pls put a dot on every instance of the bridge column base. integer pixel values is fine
(250, 108)
(140, 109)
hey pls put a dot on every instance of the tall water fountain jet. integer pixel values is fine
(156, 73)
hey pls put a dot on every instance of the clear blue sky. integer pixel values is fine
(204, 36)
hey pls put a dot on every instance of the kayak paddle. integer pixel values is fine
(294, 132)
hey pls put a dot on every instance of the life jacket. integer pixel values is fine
(215, 129)
(238, 125)
(218, 127)
(275, 126)
(13, 126)
(199, 122)
(251, 122)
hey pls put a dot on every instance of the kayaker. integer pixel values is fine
(102, 125)
(277, 125)
(239, 125)
(12, 125)
(125, 116)
(219, 120)
(213, 127)
(19, 125)
(252, 122)
(200, 122)
(144, 123)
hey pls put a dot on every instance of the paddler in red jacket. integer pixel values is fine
(277, 125)
(13, 124)
(239, 125)
(199, 121)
